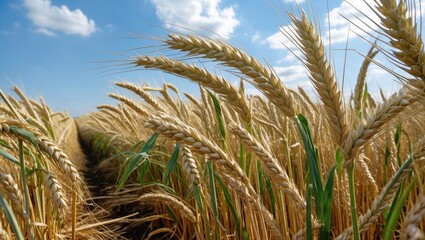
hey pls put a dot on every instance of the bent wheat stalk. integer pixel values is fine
(202, 76)
(402, 32)
(12, 127)
(362, 134)
(271, 165)
(158, 198)
(361, 79)
(178, 131)
(262, 77)
(141, 93)
(130, 103)
(322, 76)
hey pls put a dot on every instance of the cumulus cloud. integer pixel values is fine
(355, 16)
(291, 73)
(347, 21)
(343, 19)
(50, 19)
(197, 15)
(346, 18)
(279, 40)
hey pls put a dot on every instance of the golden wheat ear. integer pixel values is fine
(400, 27)
(264, 78)
(271, 165)
(360, 136)
(361, 79)
(202, 76)
(143, 94)
(159, 198)
(416, 215)
(230, 170)
(11, 189)
(321, 75)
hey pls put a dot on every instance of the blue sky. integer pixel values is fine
(65, 51)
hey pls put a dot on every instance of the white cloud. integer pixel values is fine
(256, 36)
(46, 31)
(357, 17)
(294, 76)
(291, 73)
(197, 15)
(51, 19)
(346, 18)
(279, 40)
(253, 92)
(340, 18)
(376, 71)
(291, 57)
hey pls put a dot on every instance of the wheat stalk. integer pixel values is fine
(271, 165)
(263, 78)
(362, 134)
(176, 130)
(133, 105)
(119, 116)
(168, 99)
(322, 76)
(240, 188)
(402, 32)
(366, 172)
(61, 158)
(44, 144)
(4, 110)
(193, 100)
(172, 87)
(171, 201)
(384, 199)
(141, 93)
(26, 102)
(201, 76)
(361, 79)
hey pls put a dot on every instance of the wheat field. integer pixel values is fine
(222, 164)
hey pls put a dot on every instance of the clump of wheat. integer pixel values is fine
(171, 201)
(243, 158)
(40, 174)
